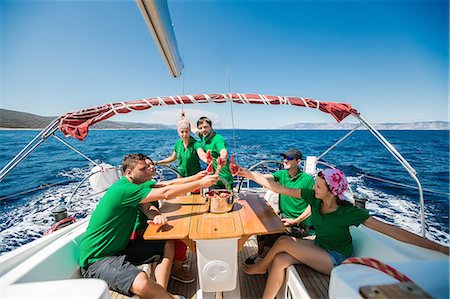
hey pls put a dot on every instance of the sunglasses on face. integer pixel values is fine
(288, 158)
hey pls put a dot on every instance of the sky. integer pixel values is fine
(389, 59)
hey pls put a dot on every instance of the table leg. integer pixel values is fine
(242, 241)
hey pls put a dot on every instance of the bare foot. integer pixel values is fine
(253, 269)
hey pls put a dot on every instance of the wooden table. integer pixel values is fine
(215, 237)
(188, 219)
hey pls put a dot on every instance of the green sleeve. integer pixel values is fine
(197, 145)
(276, 175)
(309, 196)
(134, 194)
(175, 146)
(356, 215)
(220, 143)
(309, 183)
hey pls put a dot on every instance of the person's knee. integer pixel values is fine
(283, 241)
(279, 262)
(141, 285)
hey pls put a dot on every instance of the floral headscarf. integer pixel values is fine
(336, 181)
(184, 124)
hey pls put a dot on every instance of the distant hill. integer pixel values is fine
(10, 119)
(425, 125)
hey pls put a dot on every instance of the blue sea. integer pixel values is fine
(24, 218)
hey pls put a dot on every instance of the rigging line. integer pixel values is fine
(231, 108)
(403, 185)
(182, 103)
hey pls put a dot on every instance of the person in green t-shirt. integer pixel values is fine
(331, 216)
(106, 251)
(186, 150)
(216, 144)
(294, 211)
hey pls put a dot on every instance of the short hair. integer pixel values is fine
(130, 160)
(204, 119)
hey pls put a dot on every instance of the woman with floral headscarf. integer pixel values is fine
(331, 216)
(187, 150)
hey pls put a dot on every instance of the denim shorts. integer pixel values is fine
(337, 258)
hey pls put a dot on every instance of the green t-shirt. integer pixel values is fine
(188, 161)
(113, 220)
(332, 229)
(141, 224)
(216, 143)
(291, 207)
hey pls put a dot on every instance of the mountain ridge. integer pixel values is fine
(10, 119)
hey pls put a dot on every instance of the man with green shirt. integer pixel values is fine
(106, 251)
(215, 143)
(294, 212)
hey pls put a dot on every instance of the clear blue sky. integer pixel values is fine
(389, 59)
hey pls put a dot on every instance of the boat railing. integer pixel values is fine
(30, 147)
(412, 172)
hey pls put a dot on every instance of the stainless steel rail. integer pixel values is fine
(412, 172)
(30, 147)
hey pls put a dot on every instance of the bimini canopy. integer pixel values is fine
(76, 124)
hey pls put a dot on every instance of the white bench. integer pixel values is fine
(49, 269)
(427, 268)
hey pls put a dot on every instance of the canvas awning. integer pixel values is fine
(76, 124)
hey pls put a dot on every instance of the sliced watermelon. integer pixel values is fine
(210, 168)
(221, 161)
(233, 167)
(208, 157)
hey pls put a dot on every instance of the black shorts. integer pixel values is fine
(119, 271)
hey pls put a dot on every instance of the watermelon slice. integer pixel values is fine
(210, 168)
(221, 161)
(219, 165)
(208, 157)
(233, 167)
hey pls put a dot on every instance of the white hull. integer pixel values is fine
(48, 268)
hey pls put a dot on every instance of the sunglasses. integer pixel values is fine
(288, 158)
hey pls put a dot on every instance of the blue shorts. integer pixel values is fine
(337, 258)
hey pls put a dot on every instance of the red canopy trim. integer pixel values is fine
(76, 124)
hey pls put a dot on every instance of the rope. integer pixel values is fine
(402, 185)
(231, 108)
(376, 264)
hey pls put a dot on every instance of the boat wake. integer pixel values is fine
(400, 210)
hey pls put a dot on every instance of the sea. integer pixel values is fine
(47, 178)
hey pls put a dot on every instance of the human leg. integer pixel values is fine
(303, 250)
(162, 270)
(179, 273)
(277, 273)
(144, 287)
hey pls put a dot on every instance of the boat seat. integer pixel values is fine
(370, 243)
(432, 276)
(427, 268)
(68, 288)
(304, 282)
(53, 272)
